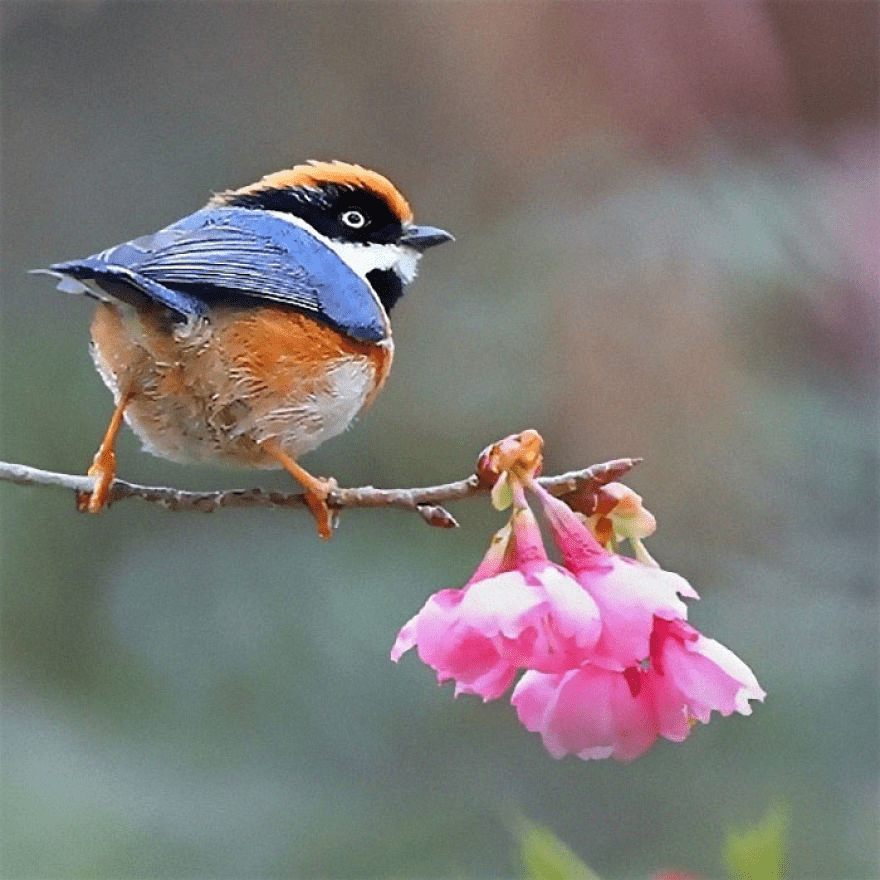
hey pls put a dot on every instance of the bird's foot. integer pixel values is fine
(103, 469)
(317, 490)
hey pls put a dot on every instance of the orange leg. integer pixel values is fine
(103, 467)
(317, 488)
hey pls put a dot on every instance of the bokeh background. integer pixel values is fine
(667, 224)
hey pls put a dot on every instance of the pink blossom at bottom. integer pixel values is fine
(594, 712)
(589, 712)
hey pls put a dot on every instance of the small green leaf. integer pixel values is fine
(758, 853)
(545, 857)
(502, 495)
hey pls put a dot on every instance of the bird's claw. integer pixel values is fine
(103, 469)
(316, 500)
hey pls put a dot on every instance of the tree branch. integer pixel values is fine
(425, 501)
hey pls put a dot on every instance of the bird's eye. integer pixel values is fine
(354, 219)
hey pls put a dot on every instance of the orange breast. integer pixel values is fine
(279, 347)
(217, 389)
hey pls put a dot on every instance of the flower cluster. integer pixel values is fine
(608, 659)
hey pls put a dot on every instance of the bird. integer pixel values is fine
(257, 327)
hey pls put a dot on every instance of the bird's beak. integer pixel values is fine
(420, 238)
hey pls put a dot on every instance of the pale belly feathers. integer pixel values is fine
(215, 391)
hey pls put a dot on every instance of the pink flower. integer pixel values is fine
(595, 712)
(700, 674)
(610, 661)
(589, 712)
(630, 595)
(519, 610)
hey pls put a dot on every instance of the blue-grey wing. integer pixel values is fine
(221, 252)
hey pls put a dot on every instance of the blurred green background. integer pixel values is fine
(667, 224)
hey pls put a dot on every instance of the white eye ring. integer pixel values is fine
(354, 219)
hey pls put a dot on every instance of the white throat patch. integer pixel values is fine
(364, 258)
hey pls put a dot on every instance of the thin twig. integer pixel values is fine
(425, 501)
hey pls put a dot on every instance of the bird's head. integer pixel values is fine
(357, 213)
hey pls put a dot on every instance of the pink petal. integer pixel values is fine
(589, 712)
(497, 558)
(479, 670)
(544, 621)
(534, 694)
(453, 650)
(501, 605)
(669, 705)
(406, 639)
(711, 677)
(528, 544)
(580, 549)
(630, 596)
(573, 609)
